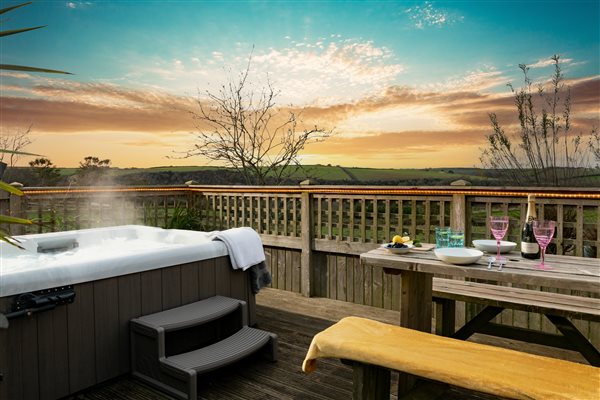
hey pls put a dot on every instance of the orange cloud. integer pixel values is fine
(157, 121)
(397, 142)
(67, 116)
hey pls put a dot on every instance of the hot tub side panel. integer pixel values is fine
(62, 351)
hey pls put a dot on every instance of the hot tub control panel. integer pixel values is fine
(26, 304)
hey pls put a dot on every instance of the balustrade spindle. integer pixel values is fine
(374, 225)
(386, 215)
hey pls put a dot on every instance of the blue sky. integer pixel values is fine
(133, 55)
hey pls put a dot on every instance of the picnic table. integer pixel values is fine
(417, 270)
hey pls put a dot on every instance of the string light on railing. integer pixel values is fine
(101, 190)
(317, 190)
(429, 192)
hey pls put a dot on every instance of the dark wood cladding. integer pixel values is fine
(62, 351)
(285, 267)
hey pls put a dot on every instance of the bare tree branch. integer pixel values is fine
(242, 128)
(14, 142)
(543, 152)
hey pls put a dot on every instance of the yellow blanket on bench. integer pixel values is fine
(474, 366)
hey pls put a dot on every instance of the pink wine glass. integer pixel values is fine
(543, 231)
(499, 226)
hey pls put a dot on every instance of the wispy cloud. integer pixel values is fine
(429, 16)
(12, 74)
(482, 79)
(77, 4)
(547, 62)
(107, 95)
(179, 75)
(324, 70)
(330, 71)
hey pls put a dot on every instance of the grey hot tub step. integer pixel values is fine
(194, 314)
(180, 371)
(229, 350)
(176, 374)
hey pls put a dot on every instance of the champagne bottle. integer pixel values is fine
(529, 246)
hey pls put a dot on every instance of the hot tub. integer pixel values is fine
(117, 273)
(64, 258)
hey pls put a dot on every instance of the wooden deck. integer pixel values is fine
(296, 320)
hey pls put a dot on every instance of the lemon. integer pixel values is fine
(401, 239)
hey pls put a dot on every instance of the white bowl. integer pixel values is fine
(490, 246)
(458, 255)
(395, 250)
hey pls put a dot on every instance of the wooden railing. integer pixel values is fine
(334, 219)
(327, 215)
(314, 234)
(60, 209)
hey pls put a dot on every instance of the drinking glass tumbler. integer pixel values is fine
(456, 239)
(442, 237)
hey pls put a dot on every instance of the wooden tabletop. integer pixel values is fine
(563, 272)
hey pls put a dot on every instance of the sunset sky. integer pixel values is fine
(403, 84)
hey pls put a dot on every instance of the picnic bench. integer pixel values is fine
(374, 348)
(558, 308)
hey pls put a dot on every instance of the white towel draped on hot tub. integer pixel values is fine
(243, 245)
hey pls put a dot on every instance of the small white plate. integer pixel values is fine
(395, 250)
(490, 246)
(458, 255)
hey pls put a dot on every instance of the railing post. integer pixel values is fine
(458, 214)
(458, 221)
(306, 260)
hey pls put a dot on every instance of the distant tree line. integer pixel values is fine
(42, 172)
(92, 171)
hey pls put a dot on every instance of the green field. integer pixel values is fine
(338, 173)
(126, 171)
(178, 169)
(327, 173)
(371, 174)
